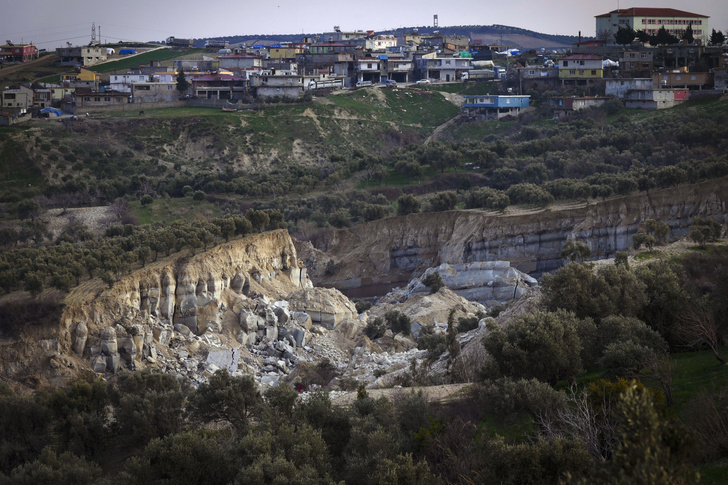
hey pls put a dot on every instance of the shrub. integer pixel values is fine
(407, 204)
(362, 306)
(433, 281)
(375, 328)
(529, 194)
(541, 345)
(435, 344)
(398, 322)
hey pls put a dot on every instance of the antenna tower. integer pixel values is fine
(434, 21)
(93, 32)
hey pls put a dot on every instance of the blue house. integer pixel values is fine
(494, 107)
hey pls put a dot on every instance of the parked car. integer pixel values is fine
(423, 81)
(390, 84)
(361, 84)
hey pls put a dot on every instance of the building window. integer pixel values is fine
(566, 63)
(107, 99)
(594, 73)
(572, 71)
(97, 99)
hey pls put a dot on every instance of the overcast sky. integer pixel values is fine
(52, 23)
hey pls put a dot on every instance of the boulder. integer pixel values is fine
(80, 336)
(224, 359)
(326, 306)
(302, 319)
(487, 282)
(108, 341)
(299, 336)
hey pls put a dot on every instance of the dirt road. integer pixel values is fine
(441, 394)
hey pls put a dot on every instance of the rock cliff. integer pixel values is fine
(186, 315)
(372, 258)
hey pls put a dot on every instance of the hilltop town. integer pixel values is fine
(470, 254)
(650, 58)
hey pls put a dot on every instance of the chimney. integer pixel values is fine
(579, 38)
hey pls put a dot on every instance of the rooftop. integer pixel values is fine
(651, 12)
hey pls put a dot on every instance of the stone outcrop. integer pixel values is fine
(325, 306)
(374, 257)
(487, 282)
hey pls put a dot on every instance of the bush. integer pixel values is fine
(198, 195)
(225, 398)
(407, 204)
(375, 328)
(529, 194)
(362, 306)
(444, 201)
(433, 281)
(435, 344)
(398, 322)
(148, 404)
(486, 198)
(466, 324)
(541, 345)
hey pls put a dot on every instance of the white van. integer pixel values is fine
(361, 84)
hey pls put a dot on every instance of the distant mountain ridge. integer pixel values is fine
(488, 34)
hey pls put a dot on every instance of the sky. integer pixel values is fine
(52, 23)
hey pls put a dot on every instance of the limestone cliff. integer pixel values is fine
(226, 295)
(372, 258)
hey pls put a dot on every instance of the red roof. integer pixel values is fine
(240, 56)
(651, 12)
(581, 57)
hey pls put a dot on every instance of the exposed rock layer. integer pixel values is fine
(372, 258)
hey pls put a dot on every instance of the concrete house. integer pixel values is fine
(368, 69)
(620, 87)
(447, 69)
(218, 86)
(565, 106)
(720, 78)
(82, 78)
(380, 43)
(397, 67)
(494, 107)
(636, 62)
(42, 98)
(239, 63)
(651, 20)
(81, 55)
(274, 83)
(18, 53)
(19, 98)
(154, 92)
(655, 98)
(86, 99)
(580, 69)
(122, 82)
(684, 80)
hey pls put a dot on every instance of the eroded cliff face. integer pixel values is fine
(216, 294)
(373, 257)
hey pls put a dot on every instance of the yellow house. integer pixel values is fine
(82, 76)
(284, 52)
(581, 66)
